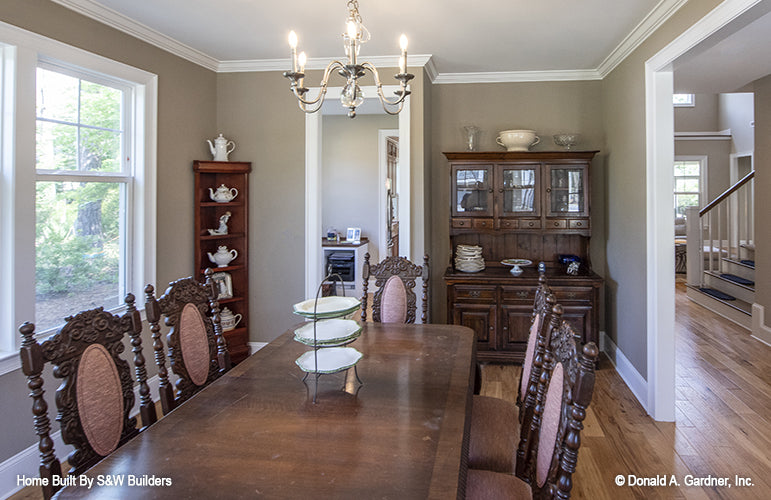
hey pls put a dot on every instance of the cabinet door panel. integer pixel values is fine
(481, 319)
(517, 190)
(567, 190)
(515, 326)
(472, 190)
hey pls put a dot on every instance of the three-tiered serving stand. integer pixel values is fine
(329, 334)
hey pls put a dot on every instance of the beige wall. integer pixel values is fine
(623, 106)
(350, 173)
(260, 114)
(702, 117)
(762, 179)
(548, 108)
(186, 116)
(736, 111)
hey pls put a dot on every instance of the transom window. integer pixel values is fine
(683, 100)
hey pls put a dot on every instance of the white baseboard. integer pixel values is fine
(256, 346)
(631, 377)
(759, 329)
(27, 462)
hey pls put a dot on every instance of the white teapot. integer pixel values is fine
(228, 320)
(221, 148)
(223, 194)
(223, 256)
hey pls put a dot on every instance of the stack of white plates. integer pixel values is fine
(468, 258)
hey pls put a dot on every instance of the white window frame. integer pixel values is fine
(702, 160)
(20, 54)
(690, 101)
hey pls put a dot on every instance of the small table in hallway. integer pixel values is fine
(255, 431)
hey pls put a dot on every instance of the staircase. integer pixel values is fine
(721, 265)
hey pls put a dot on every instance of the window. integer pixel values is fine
(683, 100)
(77, 191)
(82, 185)
(688, 185)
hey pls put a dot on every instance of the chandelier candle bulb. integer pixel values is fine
(301, 61)
(293, 46)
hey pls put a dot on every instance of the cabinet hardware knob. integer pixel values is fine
(505, 328)
(500, 190)
(578, 224)
(474, 293)
(531, 224)
(522, 295)
(490, 190)
(548, 190)
(491, 328)
(461, 223)
(556, 224)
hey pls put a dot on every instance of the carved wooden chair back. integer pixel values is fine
(565, 390)
(544, 301)
(394, 299)
(97, 390)
(196, 346)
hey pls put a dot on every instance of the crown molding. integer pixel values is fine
(114, 19)
(655, 18)
(660, 13)
(518, 76)
(312, 63)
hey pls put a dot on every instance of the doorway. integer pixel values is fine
(313, 184)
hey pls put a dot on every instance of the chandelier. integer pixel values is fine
(351, 96)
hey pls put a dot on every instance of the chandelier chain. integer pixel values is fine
(353, 9)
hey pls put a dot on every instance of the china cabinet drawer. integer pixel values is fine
(508, 224)
(579, 224)
(556, 224)
(474, 293)
(461, 223)
(566, 294)
(482, 224)
(518, 293)
(530, 224)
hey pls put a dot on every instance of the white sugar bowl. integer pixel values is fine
(517, 140)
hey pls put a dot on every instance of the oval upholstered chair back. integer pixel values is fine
(394, 300)
(196, 345)
(564, 392)
(96, 395)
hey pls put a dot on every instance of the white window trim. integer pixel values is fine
(704, 164)
(17, 166)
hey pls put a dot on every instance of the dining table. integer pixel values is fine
(400, 433)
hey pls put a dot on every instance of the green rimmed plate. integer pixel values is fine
(327, 307)
(329, 332)
(330, 360)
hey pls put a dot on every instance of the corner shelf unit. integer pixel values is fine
(233, 174)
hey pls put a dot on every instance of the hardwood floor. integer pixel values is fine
(723, 420)
(723, 426)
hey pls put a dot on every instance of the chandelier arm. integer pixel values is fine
(384, 101)
(323, 90)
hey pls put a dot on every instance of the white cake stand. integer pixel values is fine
(515, 263)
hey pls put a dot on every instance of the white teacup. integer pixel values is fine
(517, 140)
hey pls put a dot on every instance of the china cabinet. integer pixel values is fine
(221, 197)
(525, 205)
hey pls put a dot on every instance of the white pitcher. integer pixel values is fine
(221, 148)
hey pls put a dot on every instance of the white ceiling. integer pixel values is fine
(457, 40)
(461, 36)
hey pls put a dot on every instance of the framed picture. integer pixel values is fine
(224, 284)
(354, 234)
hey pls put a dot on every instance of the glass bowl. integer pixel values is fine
(567, 141)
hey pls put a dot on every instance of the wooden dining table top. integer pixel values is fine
(255, 432)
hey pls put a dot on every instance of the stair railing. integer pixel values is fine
(722, 229)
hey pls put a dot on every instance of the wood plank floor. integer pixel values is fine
(723, 420)
(723, 426)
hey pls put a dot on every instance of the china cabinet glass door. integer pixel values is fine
(517, 189)
(472, 191)
(566, 191)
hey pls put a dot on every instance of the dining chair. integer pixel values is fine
(197, 349)
(394, 299)
(496, 423)
(565, 390)
(96, 395)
